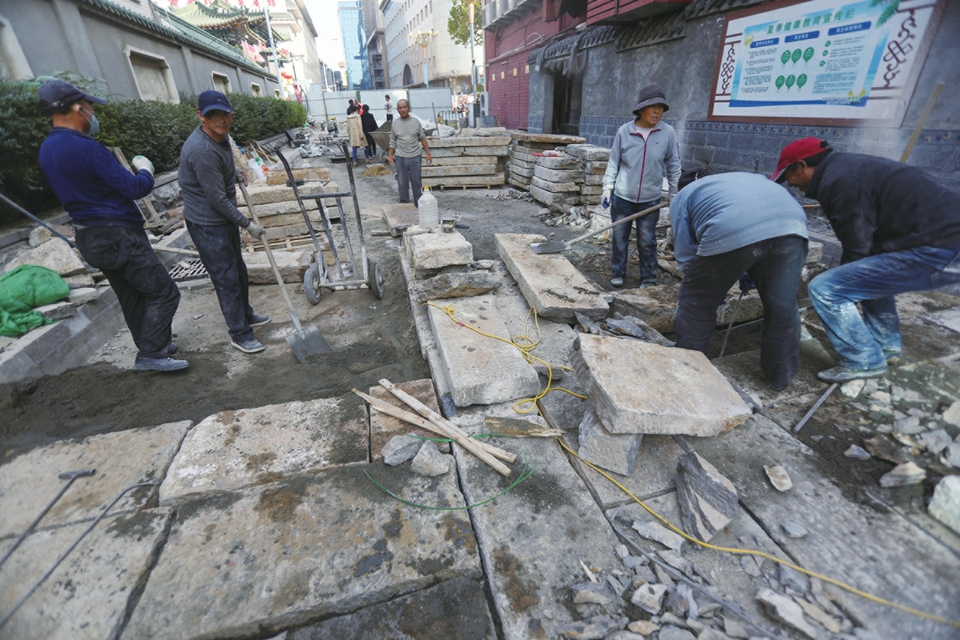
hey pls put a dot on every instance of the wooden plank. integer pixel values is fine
(152, 218)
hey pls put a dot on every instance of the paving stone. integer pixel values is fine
(465, 181)
(438, 250)
(57, 310)
(384, 427)
(903, 474)
(39, 235)
(307, 174)
(608, 368)
(545, 138)
(659, 533)
(550, 198)
(563, 161)
(54, 254)
(84, 295)
(28, 482)
(459, 284)
(430, 462)
(456, 608)
(292, 266)
(400, 216)
(234, 449)
(445, 171)
(469, 141)
(649, 597)
(555, 187)
(478, 369)
(88, 595)
(787, 611)
(308, 547)
(400, 449)
(556, 175)
(658, 305)
(616, 453)
(534, 537)
(588, 152)
(945, 505)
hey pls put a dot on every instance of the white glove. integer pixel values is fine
(139, 163)
(670, 194)
(256, 231)
(605, 201)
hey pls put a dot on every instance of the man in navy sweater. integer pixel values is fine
(99, 195)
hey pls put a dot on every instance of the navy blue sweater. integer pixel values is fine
(92, 185)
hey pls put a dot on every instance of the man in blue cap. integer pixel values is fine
(208, 182)
(99, 195)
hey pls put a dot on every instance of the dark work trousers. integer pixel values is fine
(148, 295)
(408, 174)
(775, 266)
(219, 248)
(371, 149)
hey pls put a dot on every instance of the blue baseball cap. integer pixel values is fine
(210, 100)
(56, 94)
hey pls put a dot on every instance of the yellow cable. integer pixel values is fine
(762, 554)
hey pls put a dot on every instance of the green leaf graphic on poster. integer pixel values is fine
(808, 54)
(785, 57)
(825, 53)
(823, 63)
(790, 81)
(801, 80)
(797, 54)
(780, 81)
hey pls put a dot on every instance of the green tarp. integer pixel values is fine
(21, 290)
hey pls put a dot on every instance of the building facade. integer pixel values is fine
(354, 45)
(376, 58)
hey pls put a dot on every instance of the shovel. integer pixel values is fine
(557, 246)
(305, 341)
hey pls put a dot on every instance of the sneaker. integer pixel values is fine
(648, 284)
(249, 346)
(172, 348)
(843, 374)
(159, 364)
(616, 282)
(259, 321)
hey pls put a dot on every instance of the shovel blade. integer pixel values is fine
(548, 247)
(308, 342)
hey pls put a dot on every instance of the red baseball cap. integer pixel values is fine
(795, 152)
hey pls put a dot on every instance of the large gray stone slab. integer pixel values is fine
(550, 198)
(468, 141)
(524, 138)
(88, 595)
(28, 482)
(54, 254)
(588, 152)
(556, 175)
(281, 555)
(291, 264)
(639, 387)
(400, 216)
(438, 250)
(384, 427)
(465, 181)
(456, 284)
(653, 473)
(480, 152)
(549, 282)
(234, 449)
(612, 452)
(657, 306)
(455, 609)
(533, 538)
(555, 187)
(479, 369)
(447, 170)
(445, 161)
(307, 174)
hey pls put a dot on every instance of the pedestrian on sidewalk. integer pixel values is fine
(99, 195)
(369, 126)
(355, 131)
(732, 224)
(900, 231)
(643, 152)
(409, 142)
(208, 183)
(388, 107)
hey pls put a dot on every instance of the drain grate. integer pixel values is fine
(188, 270)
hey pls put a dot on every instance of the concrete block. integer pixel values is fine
(400, 216)
(557, 175)
(478, 369)
(616, 453)
(549, 282)
(438, 250)
(608, 370)
(55, 254)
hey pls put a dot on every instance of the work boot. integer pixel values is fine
(249, 346)
(172, 348)
(845, 374)
(616, 281)
(893, 357)
(159, 364)
(647, 284)
(259, 321)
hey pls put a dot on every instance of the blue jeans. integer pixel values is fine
(220, 251)
(408, 174)
(147, 294)
(775, 265)
(646, 238)
(865, 338)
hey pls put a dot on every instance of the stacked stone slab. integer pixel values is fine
(522, 154)
(593, 163)
(467, 161)
(278, 211)
(557, 178)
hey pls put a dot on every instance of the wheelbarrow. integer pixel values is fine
(382, 137)
(318, 275)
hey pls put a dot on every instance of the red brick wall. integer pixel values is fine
(510, 96)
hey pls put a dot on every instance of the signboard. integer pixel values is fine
(823, 61)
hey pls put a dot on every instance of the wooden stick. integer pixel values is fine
(453, 431)
(186, 252)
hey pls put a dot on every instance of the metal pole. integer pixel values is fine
(276, 63)
(473, 66)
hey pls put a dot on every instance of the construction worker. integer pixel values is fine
(731, 224)
(99, 195)
(900, 231)
(409, 142)
(643, 152)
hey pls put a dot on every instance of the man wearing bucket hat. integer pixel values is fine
(208, 182)
(642, 152)
(99, 195)
(900, 231)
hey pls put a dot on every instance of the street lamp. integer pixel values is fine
(422, 38)
(473, 65)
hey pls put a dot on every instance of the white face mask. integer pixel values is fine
(94, 123)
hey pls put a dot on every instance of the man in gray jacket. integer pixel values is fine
(409, 142)
(208, 181)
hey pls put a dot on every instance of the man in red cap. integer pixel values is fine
(900, 231)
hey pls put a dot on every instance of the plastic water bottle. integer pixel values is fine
(429, 213)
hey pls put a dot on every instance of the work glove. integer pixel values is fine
(746, 283)
(671, 193)
(257, 231)
(605, 201)
(140, 162)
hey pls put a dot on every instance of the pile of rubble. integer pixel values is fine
(472, 160)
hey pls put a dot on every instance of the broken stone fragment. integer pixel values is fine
(903, 474)
(857, 453)
(708, 500)
(675, 633)
(613, 452)
(657, 533)
(676, 561)
(54, 254)
(787, 611)
(909, 425)
(952, 414)
(594, 628)
(779, 477)
(750, 566)
(793, 530)
(853, 388)
(934, 441)
(429, 461)
(679, 601)
(643, 627)
(590, 593)
(945, 505)
(793, 579)
(400, 449)
(951, 454)
(819, 616)
(649, 597)
(455, 285)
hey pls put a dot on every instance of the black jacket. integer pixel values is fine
(368, 121)
(879, 206)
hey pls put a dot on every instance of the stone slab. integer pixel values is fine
(88, 595)
(555, 187)
(478, 369)
(639, 387)
(292, 266)
(307, 174)
(881, 553)
(446, 161)
(549, 282)
(480, 152)
(400, 216)
(533, 538)
(57, 310)
(559, 161)
(234, 449)
(468, 141)
(545, 138)
(55, 254)
(384, 427)
(287, 208)
(657, 305)
(268, 194)
(439, 250)
(523, 172)
(556, 175)
(449, 171)
(257, 560)
(550, 198)
(453, 609)
(521, 162)
(28, 482)
(588, 152)
(83, 295)
(519, 181)
(455, 284)
(465, 181)
(616, 453)
(595, 167)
